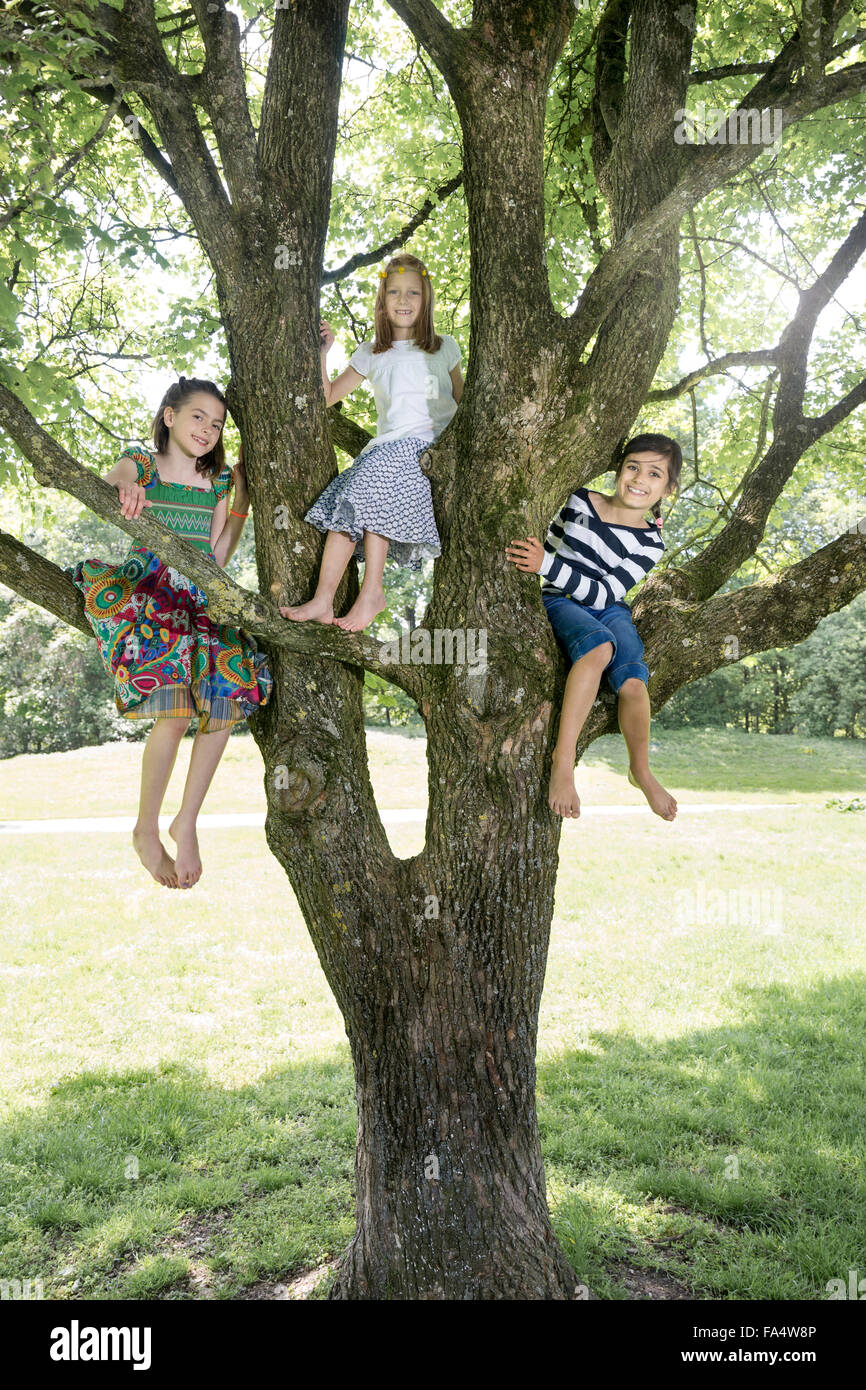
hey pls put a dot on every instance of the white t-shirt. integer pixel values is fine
(411, 388)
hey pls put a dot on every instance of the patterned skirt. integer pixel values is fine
(166, 656)
(384, 491)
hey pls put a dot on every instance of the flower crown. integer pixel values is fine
(383, 274)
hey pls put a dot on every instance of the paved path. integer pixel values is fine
(110, 825)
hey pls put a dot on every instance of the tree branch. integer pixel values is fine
(610, 75)
(138, 58)
(758, 357)
(748, 69)
(775, 612)
(433, 31)
(41, 581)
(708, 168)
(227, 601)
(108, 94)
(409, 228)
(793, 433)
(68, 165)
(346, 434)
(296, 145)
(823, 424)
(224, 96)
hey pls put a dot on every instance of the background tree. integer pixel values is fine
(575, 188)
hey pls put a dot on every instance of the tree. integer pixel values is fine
(437, 962)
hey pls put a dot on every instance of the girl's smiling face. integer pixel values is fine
(404, 297)
(197, 423)
(642, 480)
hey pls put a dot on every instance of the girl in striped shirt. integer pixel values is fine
(597, 548)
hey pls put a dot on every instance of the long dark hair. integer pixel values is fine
(653, 444)
(424, 335)
(210, 464)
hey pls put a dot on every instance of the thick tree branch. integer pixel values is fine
(776, 612)
(227, 601)
(41, 581)
(138, 62)
(296, 146)
(135, 60)
(823, 424)
(224, 96)
(610, 75)
(346, 434)
(408, 230)
(796, 340)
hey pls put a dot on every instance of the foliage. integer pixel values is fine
(56, 694)
(816, 688)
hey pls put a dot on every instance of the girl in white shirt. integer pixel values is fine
(383, 500)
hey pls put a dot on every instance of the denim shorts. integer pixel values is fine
(578, 630)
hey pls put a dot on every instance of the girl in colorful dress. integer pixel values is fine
(383, 500)
(597, 548)
(168, 659)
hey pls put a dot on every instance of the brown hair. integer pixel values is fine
(653, 444)
(424, 335)
(210, 464)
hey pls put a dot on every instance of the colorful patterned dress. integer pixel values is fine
(167, 657)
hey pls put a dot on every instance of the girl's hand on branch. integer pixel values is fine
(132, 500)
(526, 555)
(326, 336)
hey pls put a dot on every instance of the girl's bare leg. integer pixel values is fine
(633, 708)
(207, 749)
(371, 599)
(581, 689)
(335, 557)
(160, 752)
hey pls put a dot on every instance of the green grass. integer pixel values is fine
(177, 1104)
(697, 766)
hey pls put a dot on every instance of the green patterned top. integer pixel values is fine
(186, 510)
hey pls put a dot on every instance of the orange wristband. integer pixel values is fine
(240, 514)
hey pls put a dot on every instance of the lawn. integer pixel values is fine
(177, 1104)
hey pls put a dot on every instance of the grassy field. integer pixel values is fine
(695, 766)
(176, 1098)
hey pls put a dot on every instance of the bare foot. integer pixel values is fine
(362, 612)
(188, 865)
(318, 610)
(562, 794)
(661, 801)
(154, 857)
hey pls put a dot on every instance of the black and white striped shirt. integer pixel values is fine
(596, 561)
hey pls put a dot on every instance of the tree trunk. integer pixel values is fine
(437, 964)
